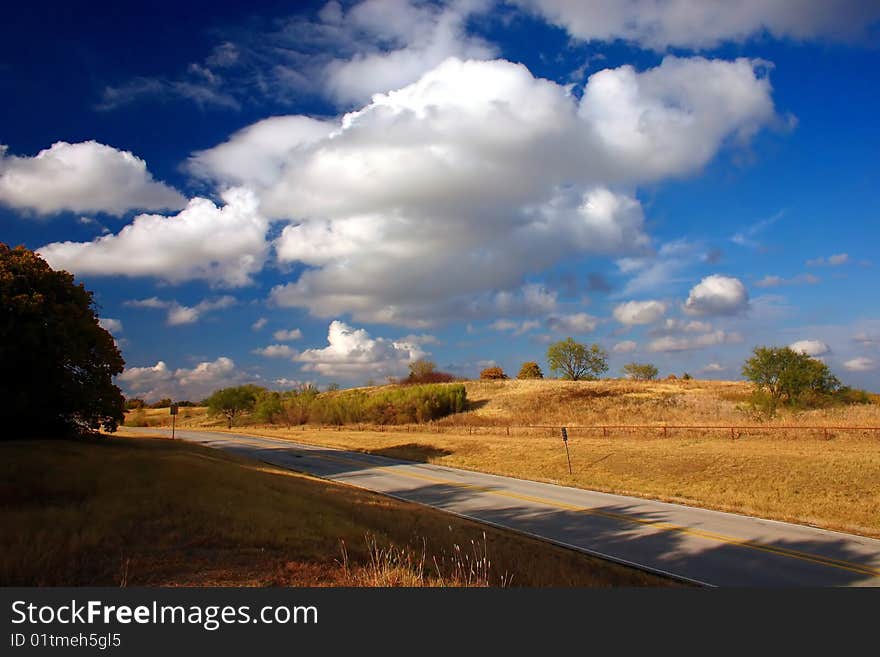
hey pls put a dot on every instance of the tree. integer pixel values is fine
(268, 406)
(425, 371)
(232, 402)
(530, 370)
(641, 371)
(575, 361)
(56, 362)
(786, 375)
(493, 374)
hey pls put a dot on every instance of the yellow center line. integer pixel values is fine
(656, 524)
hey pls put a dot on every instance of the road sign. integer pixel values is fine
(174, 408)
(565, 442)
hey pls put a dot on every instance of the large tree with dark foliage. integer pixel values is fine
(56, 363)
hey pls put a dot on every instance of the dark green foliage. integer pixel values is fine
(134, 404)
(641, 371)
(165, 402)
(56, 363)
(493, 374)
(530, 370)
(575, 361)
(232, 402)
(686, 377)
(783, 376)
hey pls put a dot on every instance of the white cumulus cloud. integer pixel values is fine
(83, 177)
(287, 335)
(353, 353)
(717, 295)
(158, 381)
(810, 347)
(477, 175)
(276, 351)
(224, 245)
(639, 312)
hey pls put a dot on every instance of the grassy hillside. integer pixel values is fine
(138, 511)
(590, 403)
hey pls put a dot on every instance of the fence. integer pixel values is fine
(607, 430)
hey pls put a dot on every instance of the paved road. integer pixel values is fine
(708, 547)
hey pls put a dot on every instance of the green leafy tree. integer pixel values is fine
(787, 376)
(530, 370)
(232, 402)
(640, 371)
(56, 362)
(575, 361)
(269, 406)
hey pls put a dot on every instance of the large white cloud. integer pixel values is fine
(717, 295)
(82, 177)
(810, 347)
(478, 175)
(352, 353)
(224, 245)
(158, 381)
(659, 24)
(639, 312)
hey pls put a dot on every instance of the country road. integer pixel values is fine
(699, 545)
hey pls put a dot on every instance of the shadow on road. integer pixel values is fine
(411, 452)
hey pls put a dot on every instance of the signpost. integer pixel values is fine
(173, 418)
(565, 442)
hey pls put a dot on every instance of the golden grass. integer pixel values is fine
(800, 476)
(833, 483)
(140, 511)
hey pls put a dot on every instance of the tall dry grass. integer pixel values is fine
(152, 512)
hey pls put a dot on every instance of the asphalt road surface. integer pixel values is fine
(702, 546)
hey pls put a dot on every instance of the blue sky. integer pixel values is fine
(288, 192)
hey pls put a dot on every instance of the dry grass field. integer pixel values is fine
(830, 480)
(141, 511)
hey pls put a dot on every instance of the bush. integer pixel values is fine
(642, 371)
(530, 370)
(405, 405)
(492, 374)
(134, 404)
(425, 371)
(165, 402)
(686, 376)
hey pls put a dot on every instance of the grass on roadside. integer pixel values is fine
(141, 511)
(833, 483)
